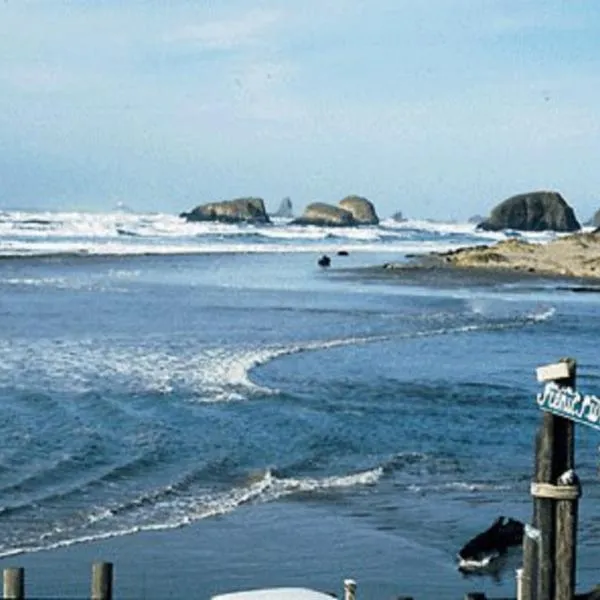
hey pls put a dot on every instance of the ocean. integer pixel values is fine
(211, 410)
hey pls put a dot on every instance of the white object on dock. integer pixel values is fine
(278, 593)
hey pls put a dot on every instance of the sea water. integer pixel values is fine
(212, 385)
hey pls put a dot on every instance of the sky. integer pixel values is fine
(439, 109)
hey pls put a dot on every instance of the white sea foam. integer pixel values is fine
(542, 314)
(178, 512)
(458, 486)
(125, 233)
(211, 374)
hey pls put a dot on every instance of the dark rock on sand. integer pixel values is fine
(240, 210)
(534, 211)
(491, 544)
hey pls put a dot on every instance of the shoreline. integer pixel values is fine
(572, 256)
(573, 261)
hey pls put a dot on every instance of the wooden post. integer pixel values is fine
(349, 589)
(528, 579)
(566, 544)
(555, 454)
(566, 510)
(14, 583)
(102, 574)
(543, 510)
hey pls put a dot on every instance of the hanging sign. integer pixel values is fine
(565, 402)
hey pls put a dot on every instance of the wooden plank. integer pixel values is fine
(553, 372)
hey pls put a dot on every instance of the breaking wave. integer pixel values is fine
(164, 509)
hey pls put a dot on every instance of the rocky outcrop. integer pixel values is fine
(351, 211)
(534, 211)
(285, 210)
(240, 210)
(595, 220)
(398, 217)
(362, 210)
(575, 255)
(325, 215)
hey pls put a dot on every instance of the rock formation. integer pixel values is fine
(285, 209)
(595, 220)
(240, 210)
(362, 210)
(351, 211)
(575, 255)
(325, 215)
(534, 211)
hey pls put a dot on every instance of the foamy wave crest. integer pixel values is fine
(210, 374)
(156, 512)
(129, 234)
(459, 486)
(542, 314)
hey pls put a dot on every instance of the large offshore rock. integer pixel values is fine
(239, 210)
(285, 209)
(325, 215)
(595, 220)
(534, 211)
(362, 210)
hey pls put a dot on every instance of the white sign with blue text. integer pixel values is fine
(565, 402)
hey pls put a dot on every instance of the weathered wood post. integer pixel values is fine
(349, 589)
(102, 575)
(555, 491)
(527, 584)
(14, 583)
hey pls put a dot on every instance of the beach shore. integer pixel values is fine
(299, 546)
(573, 256)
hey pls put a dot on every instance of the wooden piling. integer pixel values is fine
(102, 576)
(14, 583)
(527, 584)
(543, 519)
(555, 518)
(566, 544)
(349, 589)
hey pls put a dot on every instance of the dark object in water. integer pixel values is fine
(324, 261)
(482, 551)
(342, 253)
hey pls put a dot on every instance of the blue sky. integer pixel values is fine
(436, 108)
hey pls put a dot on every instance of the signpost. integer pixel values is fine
(567, 403)
(549, 562)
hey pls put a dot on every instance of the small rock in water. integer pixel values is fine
(324, 261)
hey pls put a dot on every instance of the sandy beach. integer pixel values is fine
(576, 255)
